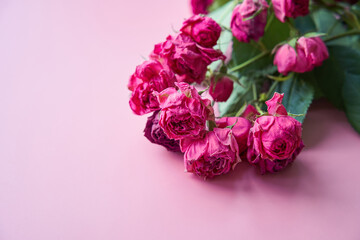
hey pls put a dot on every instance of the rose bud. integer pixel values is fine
(200, 6)
(186, 58)
(275, 106)
(204, 30)
(156, 135)
(250, 113)
(240, 129)
(183, 114)
(150, 76)
(290, 8)
(244, 24)
(275, 140)
(314, 49)
(287, 59)
(310, 52)
(214, 154)
(221, 90)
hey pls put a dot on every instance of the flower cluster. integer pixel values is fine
(184, 121)
(255, 126)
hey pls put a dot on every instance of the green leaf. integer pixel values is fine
(339, 80)
(277, 32)
(242, 52)
(243, 94)
(305, 24)
(298, 95)
(238, 97)
(217, 4)
(331, 75)
(222, 16)
(326, 22)
(314, 34)
(351, 96)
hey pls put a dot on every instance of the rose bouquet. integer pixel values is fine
(235, 82)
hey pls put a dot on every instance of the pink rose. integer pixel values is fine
(314, 49)
(240, 130)
(150, 76)
(214, 154)
(274, 141)
(221, 90)
(265, 164)
(156, 135)
(203, 30)
(183, 114)
(200, 6)
(287, 59)
(185, 57)
(246, 29)
(290, 8)
(309, 53)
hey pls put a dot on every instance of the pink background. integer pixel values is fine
(75, 165)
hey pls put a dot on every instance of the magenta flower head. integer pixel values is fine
(221, 90)
(156, 135)
(184, 113)
(240, 129)
(309, 53)
(200, 6)
(204, 30)
(287, 59)
(275, 106)
(245, 24)
(150, 76)
(290, 8)
(314, 49)
(275, 140)
(216, 153)
(185, 57)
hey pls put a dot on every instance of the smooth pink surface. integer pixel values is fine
(74, 164)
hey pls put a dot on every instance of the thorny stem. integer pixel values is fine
(254, 91)
(345, 34)
(271, 18)
(248, 62)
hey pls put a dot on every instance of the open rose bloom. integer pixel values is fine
(185, 57)
(149, 77)
(275, 140)
(183, 113)
(156, 134)
(216, 153)
(290, 8)
(204, 30)
(245, 24)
